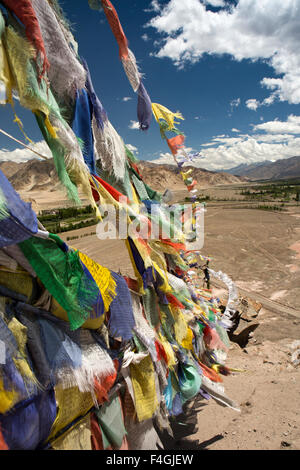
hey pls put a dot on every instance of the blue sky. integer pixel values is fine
(232, 68)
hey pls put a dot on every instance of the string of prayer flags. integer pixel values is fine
(128, 59)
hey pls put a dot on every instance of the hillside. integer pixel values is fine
(283, 168)
(41, 175)
(9, 168)
(161, 177)
(31, 175)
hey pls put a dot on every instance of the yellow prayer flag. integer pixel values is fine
(161, 112)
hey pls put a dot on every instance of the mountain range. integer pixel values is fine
(163, 176)
(268, 170)
(40, 175)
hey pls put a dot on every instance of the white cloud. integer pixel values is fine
(252, 104)
(235, 130)
(196, 117)
(249, 150)
(23, 154)
(3, 96)
(215, 3)
(2, 93)
(272, 137)
(235, 103)
(132, 148)
(209, 144)
(252, 29)
(275, 140)
(126, 98)
(154, 6)
(227, 140)
(145, 37)
(134, 125)
(224, 152)
(272, 140)
(291, 126)
(165, 159)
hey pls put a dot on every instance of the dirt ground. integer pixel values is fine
(268, 392)
(260, 251)
(257, 249)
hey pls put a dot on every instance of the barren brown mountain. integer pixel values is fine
(161, 177)
(41, 175)
(9, 168)
(283, 168)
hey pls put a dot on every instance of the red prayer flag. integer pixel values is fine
(25, 13)
(112, 191)
(3, 445)
(176, 143)
(116, 27)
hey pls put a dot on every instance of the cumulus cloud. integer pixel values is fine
(154, 6)
(271, 140)
(227, 140)
(250, 29)
(134, 125)
(145, 37)
(235, 103)
(2, 93)
(248, 150)
(126, 98)
(132, 148)
(23, 154)
(235, 130)
(167, 158)
(252, 104)
(291, 126)
(215, 3)
(164, 159)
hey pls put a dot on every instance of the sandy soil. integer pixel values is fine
(296, 247)
(45, 200)
(257, 249)
(267, 391)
